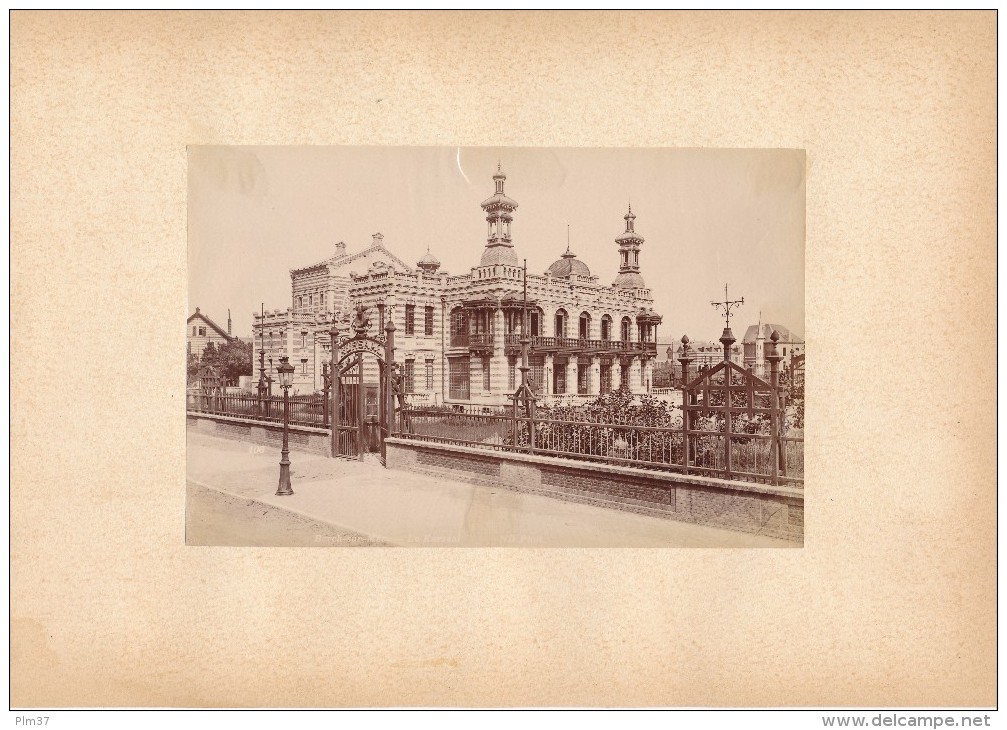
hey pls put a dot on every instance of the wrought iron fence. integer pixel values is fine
(620, 429)
(305, 410)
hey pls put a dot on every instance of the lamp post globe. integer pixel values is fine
(286, 373)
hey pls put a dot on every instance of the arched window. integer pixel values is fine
(584, 326)
(606, 328)
(627, 329)
(561, 318)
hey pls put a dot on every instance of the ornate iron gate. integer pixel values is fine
(363, 412)
(733, 421)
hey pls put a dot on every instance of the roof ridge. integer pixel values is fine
(210, 322)
(348, 258)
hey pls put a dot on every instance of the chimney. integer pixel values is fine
(376, 239)
(229, 322)
(340, 249)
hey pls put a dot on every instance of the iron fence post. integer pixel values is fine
(334, 388)
(775, 416)
(389, 396)
(686, 360)
(727, 339)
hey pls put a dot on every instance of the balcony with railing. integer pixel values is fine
(581, 344)
(474, 341)
(485, 341)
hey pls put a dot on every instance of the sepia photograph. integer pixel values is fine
(535, 287)
(495, 347)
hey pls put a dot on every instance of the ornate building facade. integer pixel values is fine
(457, 337)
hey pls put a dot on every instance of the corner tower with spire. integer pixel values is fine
(499, 209)
(629, 256)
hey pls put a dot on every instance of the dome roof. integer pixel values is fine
(429, 262)
(499, 255)
(629, 280)
(568, 264)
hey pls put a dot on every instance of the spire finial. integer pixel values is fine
(498, 165)
(727, 305)
(568, 238)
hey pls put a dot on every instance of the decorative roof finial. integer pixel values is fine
(727, 305)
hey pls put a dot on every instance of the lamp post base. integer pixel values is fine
(283, 488)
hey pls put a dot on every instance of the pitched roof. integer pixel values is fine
(199, 315)
(341, 259)
(752, 333)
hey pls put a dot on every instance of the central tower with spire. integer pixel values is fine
(629, 256)
(499, 249)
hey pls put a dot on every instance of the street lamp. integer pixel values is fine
(286, 371)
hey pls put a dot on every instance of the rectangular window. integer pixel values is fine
(559, 378)
(458, 378)
(624, 379)
(486, 373)
(193, 331)
(459, 328)
(428, 321)
(606, 378)
(304, 367)
(429, 373)
(409, 377)
(537, 372)
(202, 331)
(410, 319)
(583, 379)
(511, 374)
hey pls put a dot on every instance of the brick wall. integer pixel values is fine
(753, 508)
(300, 438)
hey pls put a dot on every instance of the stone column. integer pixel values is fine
(635, 386)
(616, 373)
(571, 374)
(594, 385)
(498, 362)
(648, 375)
(547, 375)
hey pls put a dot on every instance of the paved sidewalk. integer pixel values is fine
(408, 509)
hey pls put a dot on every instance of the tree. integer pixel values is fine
(192, 367)
(234, 359)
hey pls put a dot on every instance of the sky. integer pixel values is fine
(709, 217)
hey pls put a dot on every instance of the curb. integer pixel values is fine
(293, 511)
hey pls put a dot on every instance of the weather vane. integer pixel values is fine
(727, 304)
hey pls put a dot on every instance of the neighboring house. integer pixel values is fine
(201, 330)
(707, 353)
(756, 343)
(458, 337)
